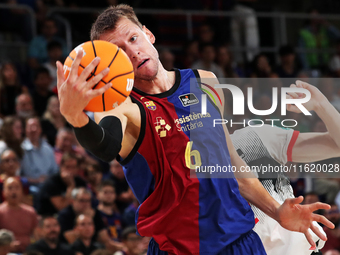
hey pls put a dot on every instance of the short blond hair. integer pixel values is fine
(108, 19)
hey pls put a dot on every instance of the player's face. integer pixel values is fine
(138, 45)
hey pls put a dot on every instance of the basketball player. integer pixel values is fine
(184, 215)
(276, 146)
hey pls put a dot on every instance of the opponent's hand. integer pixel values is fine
(75, 92)
(316, 97)
(296, 217)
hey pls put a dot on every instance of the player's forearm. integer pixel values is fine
(331, 117)
(253, 191)
(103, 140)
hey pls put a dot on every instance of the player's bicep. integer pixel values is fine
(311, 147)
(119, 112)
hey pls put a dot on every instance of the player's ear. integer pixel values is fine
(150, 35)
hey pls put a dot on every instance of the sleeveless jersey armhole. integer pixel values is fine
(200, 85)
(140, 137)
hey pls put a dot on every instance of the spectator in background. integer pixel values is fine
(123, 191)
(85, 229)
(244, 30)
(37, 52)
(207, 58)
(261, 67)
(19, 218)
(328, 88)
(49, 244)
(41, 93)
(334, 64)
(33, 253)
(101, 252)
(133, 242)
(38, 161)
(108, 209)
(11, 135)
(93, 175)
(55, 53)
(52, 120)
(65, 143)
(55, 192)
(24, 106)
(81, 204)
(129, 214)
(10, 167)
(206, 34)
(333, 235)
(332, 252)
(167, 59)
(10, 88)
(191, 54)
(316, 35)
(287, 67)
(6, 239)
(224, 61)
(310, 198)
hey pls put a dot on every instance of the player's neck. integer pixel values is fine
(163, 81)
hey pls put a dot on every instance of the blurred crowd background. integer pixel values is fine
(58, 199)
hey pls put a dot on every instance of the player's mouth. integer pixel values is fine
(142, 63)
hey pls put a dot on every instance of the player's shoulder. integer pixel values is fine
(206, 74)
(266, 130)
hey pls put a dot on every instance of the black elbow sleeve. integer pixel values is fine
(103, 140)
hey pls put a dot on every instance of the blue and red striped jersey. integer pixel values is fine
(184, 211)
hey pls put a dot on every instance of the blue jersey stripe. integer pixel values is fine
(224, 215)
(135, 171)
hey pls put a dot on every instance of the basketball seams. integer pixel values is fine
(114, 57)
(119, 75)
(93, 74)
(103, 101)
(95, 55)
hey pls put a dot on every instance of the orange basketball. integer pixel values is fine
(120, 75)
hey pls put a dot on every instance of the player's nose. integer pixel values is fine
(133, 53)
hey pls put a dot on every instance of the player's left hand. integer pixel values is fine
(296, 217)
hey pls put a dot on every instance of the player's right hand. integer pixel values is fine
(316, 97)
(75, 92)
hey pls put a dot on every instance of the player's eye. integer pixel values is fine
(133, 38)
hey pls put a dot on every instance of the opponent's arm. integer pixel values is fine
(75, 92)
(291, 215)
(311, 147)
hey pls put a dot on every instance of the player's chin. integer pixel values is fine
(146, 74)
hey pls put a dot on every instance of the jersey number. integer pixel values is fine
(192, 156)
